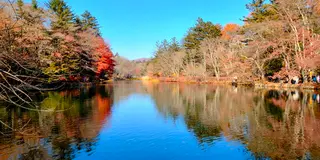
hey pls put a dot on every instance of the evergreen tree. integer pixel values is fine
(261, 11)
(174, 45)
(34, 4)
(90, 22)
(20, 4)
(78, 23)
(201, 31)
(162, 47)
(63, 13)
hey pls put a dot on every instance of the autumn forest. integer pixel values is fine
(234, 90)
(278, 41)
(44, 47)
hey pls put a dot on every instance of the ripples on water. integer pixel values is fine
(140, 120)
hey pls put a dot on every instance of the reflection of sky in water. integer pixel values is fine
(138, 131)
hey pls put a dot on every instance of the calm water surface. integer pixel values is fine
(140, 120)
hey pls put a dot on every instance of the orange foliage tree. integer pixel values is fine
(228, 30)
(105, 64)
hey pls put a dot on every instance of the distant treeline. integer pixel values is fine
(280, 39)
(128, 69)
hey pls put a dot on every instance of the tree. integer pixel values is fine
(300, 17)
(199, 32)
(123, 68)
(170, 63)
(78, 24)
(90, 22)
(22, 43)
(284, 31)
(229, 30)
(63, 13)
(174, 45)
(202, 30)
(168, 60)
(34, 4)
(20, 5)
(261, 11)
(162, 47)
(33, 55)
(64, 61)
(213, 50)
(105, 64)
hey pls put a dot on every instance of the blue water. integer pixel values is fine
(137, 131)
(141, 120)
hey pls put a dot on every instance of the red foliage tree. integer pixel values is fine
(105, 64)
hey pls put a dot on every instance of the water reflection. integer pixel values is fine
(272, 124)
(58, 135)
(275, 124)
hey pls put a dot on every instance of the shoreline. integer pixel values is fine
(255, 84)
(211, 80)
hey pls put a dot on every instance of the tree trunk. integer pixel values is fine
(216, 72)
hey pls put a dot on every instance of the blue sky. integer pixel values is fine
(133, 27)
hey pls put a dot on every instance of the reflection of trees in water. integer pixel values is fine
(289, 133)
(57, 134)
(199, 104)
(275, 124)
(123, 89)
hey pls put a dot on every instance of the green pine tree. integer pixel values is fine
(78, 23)
(89, 21)
(34, 4)
(261, 11)
(20, 5)
(201, 31)
(174, 45)
(63, 13)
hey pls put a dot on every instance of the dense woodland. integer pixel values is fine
(51, 43)
(279, 39)
(40, 47)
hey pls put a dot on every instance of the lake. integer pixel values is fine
(144, 120)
